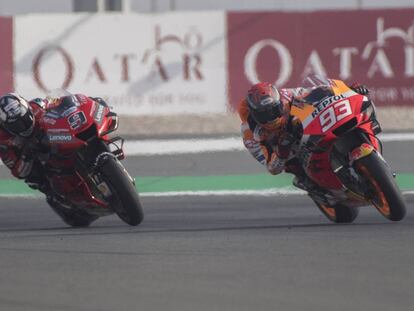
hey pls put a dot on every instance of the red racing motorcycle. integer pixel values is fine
(82, 163)
(341, 153)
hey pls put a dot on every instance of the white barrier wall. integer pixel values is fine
(142, 64)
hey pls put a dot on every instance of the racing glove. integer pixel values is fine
(28, 153)
(276, 164)
(359, 88)
(23, 166)
(292, 134)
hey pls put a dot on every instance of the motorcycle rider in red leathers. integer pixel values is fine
(269, 131)
(20, 144)
(19, 121)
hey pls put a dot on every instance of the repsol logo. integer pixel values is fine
(321, 106)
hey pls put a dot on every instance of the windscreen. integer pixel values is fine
(316, 89)
(65, 104)
(61, 103)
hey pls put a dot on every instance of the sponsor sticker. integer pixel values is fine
(326, 102)
(58, 130)
(59, 137)
(48, 120)
(69, 111)
(52, 115)
(99, 114)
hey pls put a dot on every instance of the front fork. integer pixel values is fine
(91, 158)
(346, 154)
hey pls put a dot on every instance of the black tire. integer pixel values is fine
(338, 213)
(126, 200)
(70, 215)
(385, 195)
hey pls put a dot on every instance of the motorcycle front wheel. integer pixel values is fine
(126, 201)
(383, 191)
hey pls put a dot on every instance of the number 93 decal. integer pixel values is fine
(333, 114)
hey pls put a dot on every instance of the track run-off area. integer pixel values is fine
(252, 184)
(219, 234)
(210, 184)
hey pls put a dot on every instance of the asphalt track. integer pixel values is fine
(208, 253)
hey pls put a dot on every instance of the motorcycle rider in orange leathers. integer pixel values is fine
(269, 131)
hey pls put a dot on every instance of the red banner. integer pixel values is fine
(6, 54)
(373, 47)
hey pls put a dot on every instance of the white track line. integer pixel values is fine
(181, 146)
(396, 137)
(265, 193)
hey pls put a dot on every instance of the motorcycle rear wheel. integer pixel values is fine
(385, 193)
(126, 200)
(338, 213)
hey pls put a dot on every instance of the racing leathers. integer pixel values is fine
(270, 144)
(17, 152)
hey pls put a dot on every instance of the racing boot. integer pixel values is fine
(37, 179)
(313, 189)
(69, 214)
(304, 183)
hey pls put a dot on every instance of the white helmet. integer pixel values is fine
(16, 116)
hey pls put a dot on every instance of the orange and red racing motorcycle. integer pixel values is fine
(341, 153)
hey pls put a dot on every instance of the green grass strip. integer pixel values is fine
(406, 181)
(211, 183)
(199, 183)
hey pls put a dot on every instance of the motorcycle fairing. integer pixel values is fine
(69, 123)
(336, 111)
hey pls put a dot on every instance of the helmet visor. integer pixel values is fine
(22, 126)
(268, 115)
